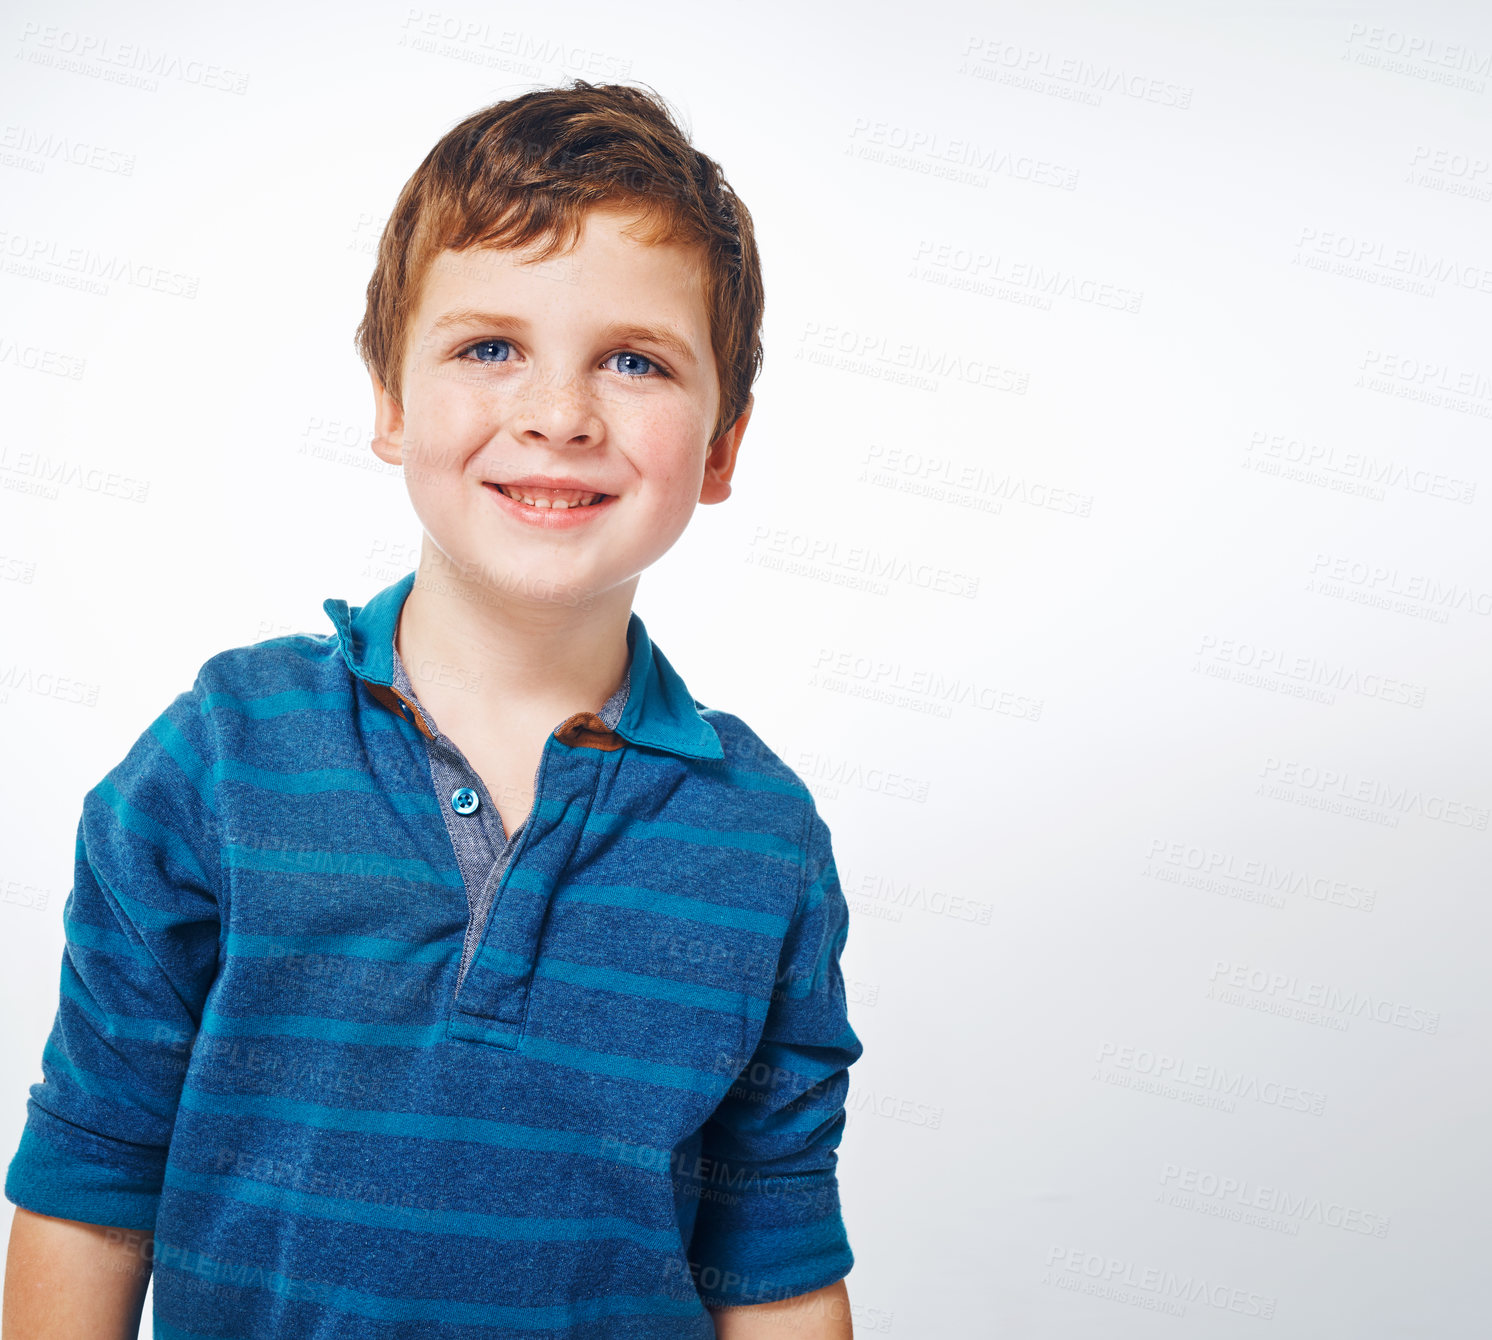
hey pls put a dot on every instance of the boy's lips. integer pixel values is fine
(539, 513)
(548, 482)
(557, 490)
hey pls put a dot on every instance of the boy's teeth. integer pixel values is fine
(560, 498)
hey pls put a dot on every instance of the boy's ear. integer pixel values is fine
(388, 424)
(720, 460)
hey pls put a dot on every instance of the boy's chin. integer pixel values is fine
(502, 577)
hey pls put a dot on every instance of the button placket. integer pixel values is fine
(474, 828)
(492, 1001)
(494, 1011)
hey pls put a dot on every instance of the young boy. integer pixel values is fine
(457, 973)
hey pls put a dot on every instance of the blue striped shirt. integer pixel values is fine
(626, 1108)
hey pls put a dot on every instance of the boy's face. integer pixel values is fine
(593, 367)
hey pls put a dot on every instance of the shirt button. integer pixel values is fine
(465, 801)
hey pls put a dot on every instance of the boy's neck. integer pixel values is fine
(477, 659)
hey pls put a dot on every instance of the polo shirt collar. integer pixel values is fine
(660, 712)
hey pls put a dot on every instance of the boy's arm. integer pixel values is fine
(142, 924)
(769, 1231)
(66, 1280)
(823, 1314)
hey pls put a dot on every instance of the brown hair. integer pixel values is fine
(526, 170)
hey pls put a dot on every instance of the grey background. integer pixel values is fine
(1108, 552)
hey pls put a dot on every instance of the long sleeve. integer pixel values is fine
(142, 927)
(770, 1226)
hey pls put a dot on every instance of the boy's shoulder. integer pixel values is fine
(768, 789)
(271, 665)
(239, 687)
(750, 762)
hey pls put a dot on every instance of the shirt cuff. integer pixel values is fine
(65, 1172)
(769, 1238)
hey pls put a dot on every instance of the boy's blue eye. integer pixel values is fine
(636, 359)
(488, 344)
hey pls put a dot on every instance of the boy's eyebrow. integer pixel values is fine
(662, 336)
(621, 332)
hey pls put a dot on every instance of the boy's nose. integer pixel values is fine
(556, 411)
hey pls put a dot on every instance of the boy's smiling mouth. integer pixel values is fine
(532, 496)
(547, 491)
(549, 505)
